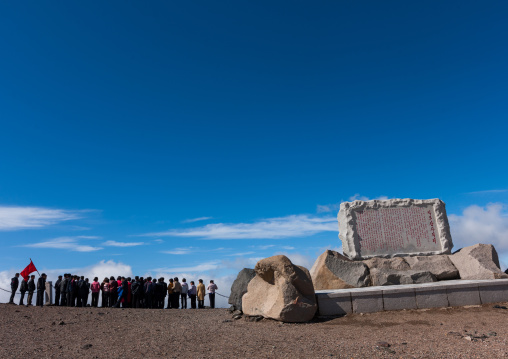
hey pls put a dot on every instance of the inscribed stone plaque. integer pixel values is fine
(395, 227)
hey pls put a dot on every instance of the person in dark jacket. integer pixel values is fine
(81, 283)
(158, 296)
(113, 291)
(57, 290)
(75, 291)
(164, 292)
(84, 290)
(14, 287)
(63, 290)
(135, 289)
(148, 292)
(23, 288)
(141, 292)
(70, 296)
(31, 290)
(41, 287)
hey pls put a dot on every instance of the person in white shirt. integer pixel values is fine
(192, 294)
(183, 293)
(212, 287)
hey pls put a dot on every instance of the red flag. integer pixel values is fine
(25, 273)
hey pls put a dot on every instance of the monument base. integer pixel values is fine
(450, 293)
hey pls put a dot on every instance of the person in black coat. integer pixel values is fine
(31, 290)
(70, 298)
(81, 291)
(135, 290)
(57, 290)
(148, 292)
(41, 287)
(113, 291)
(63, 290)
(23, 288)
(14, 287)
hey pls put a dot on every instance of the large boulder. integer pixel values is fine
(439, 265)
(478, 262)
(382, 277)
(334, 271)
(395, 263)
(281, 291)
(239, 287)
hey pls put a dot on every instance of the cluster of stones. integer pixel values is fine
(392, 242)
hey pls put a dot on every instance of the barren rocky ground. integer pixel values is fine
(53, 332)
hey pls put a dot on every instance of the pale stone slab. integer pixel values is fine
(367, 300)
(431, 297)
(335, 304)
(398, 299)
(494, 291)
(461, 294)
(395, 227)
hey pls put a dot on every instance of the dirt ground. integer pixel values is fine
(54, 332)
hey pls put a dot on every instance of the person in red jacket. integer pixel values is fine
(96, 288)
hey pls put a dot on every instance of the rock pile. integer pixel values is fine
(335, 271)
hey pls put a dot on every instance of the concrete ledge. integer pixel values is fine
(413, 296)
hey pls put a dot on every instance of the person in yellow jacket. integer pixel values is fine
(170, 293)
(201, 292)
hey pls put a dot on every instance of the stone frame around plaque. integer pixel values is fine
(348, 232)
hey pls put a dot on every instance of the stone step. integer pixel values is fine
(450, 293)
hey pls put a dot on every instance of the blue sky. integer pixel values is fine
(125, 122)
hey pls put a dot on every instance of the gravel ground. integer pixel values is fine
(53, 332)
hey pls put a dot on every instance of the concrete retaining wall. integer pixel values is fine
(451, 293)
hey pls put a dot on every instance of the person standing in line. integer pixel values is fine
(192, 295)
(170, 294)
(154, 297)
(86, 292)
(212, 287)
(31, 290)
(113, 288)
(80, 284)
(201, 292)
(57, 290)
(129, 292)
(159, 296)
(75, 291)
(96, 288)
(148, 293)
(22, 289)
(63, 290)
(69, 290)
(135, 292)
(164, 292)
(14, 287)
(141, 292)
(177, 289)
(185, 290)
(105, 293)
(41, 287)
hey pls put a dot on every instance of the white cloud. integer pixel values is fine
(478, 224)
(271, 228)
(69, 243)
(192, 269)
(490, 191)
(122, 244)
(325, 208)
(240, 254)
(192, 220)
(264, 247)
(357, 197)
(16, 218)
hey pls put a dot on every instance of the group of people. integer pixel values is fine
(28, 285)
(73, 291)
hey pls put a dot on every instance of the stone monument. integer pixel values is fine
(48, 293)
(394, 227)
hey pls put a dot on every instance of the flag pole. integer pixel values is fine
(35, 268)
